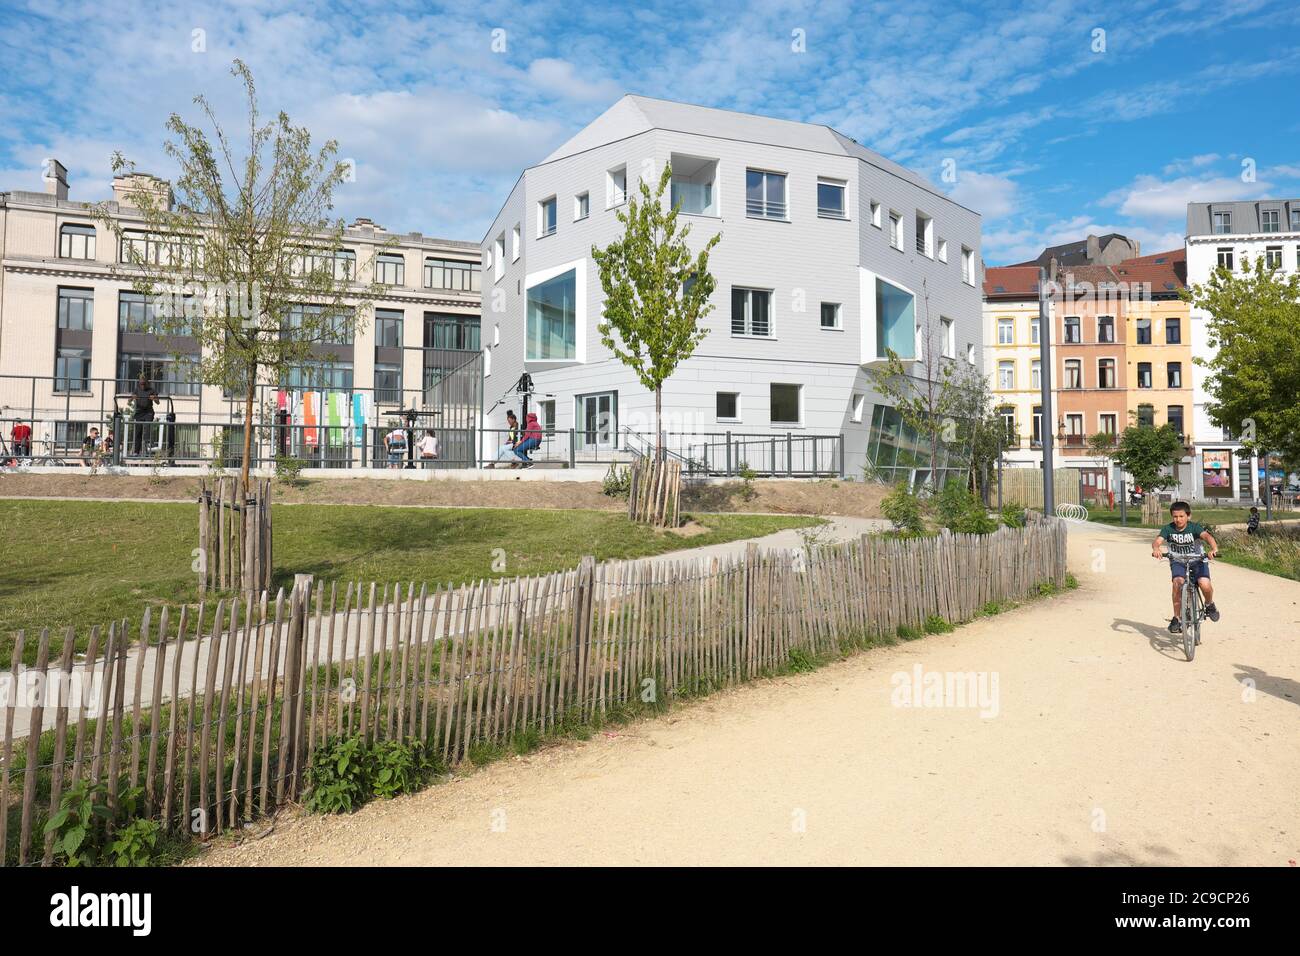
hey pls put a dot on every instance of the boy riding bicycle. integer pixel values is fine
(1181, 535)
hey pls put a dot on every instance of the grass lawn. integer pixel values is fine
(1211, 516)
(1274, 550)
(86, 562)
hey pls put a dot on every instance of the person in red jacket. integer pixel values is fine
(21, 435)
(532, 439)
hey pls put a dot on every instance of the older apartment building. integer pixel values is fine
(1120, 354)
(1232, 236)
(830, 254)
(74, 335)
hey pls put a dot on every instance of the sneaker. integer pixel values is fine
(1212, 612)
(1175, 626)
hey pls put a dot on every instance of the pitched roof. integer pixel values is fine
(1011, 282)
(1165, 271)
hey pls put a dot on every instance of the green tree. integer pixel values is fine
(1149, 455)
(244, 260)
(656, 292)
(1254, 376)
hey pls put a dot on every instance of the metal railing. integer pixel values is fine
(728, 454)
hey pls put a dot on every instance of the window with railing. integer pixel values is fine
(924, 235)
(831, 203)
(751, 312)
(764, 194)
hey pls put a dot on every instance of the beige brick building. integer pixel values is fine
(74, 336)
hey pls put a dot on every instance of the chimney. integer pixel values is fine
(1137, 248)
(56, 179)
(127, 189)
(1094, 248)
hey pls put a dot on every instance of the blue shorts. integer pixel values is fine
(1200, 570)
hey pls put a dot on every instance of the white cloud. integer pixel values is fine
(990, 195)
(1153, 198)
(561, 79)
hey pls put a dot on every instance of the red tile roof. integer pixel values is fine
(1166, 271)
(1011, 282)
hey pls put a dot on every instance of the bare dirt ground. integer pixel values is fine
(827, 497)
(1107, 747)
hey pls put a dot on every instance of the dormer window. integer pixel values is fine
(1270, 220)
(1222, 223)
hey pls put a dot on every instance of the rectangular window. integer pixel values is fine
(896, 230)
(1144, 374)
(1072, 329)
(1225, 258)
(1272, 257)
(341, 264)
(449, 331)
(76, 309)
(943, 250)
(764, 194)
(967, 265)
(895, 321)
(515, 243)
(1146, 416)
(1105, 373)
(159, 315)
(830, 199)
(390, 269)
(171, 376)
(1270, 220)
(1222, 223)
(337, 331)
(1011, 438)
(581, 206)
(76, 241)
(1033, 331)
(858, 407)
(452, 274)
(728, 406)
(924, 235)
(388, 384)
(1107, 421)
(1036, 434)
(1174, 416)
(830, 315)
(751, 312)
(616, 187)
(1074, 429)
(1006, 331)
(949, 337)
(546, 218)
(552, 333)
(785, 404)
(1143, 331)
(1006, 375)
(875, 214)
(1173, 331)
(499, 257)
(1174, 371)
(1295, 220)
(1036, 374)
(388, 329)
(1073, 373)
(72, 370)
(1106, 328)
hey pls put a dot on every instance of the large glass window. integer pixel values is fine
(76, 241)
(143, 315)
(785, 404)
(388, 384)
(764, 194)
(333, 331)
(895, 320)
(339, 263)
(552, 332)
(76, 309)
(335, 376)
(168, 373)
(446, 331)
(390, 269)
(388, 329)
(897, 452)
(751, 312)
(72, 370)
(452, 274)
(830, 199)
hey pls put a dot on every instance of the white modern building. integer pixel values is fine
(830, 254)
(1231, 234)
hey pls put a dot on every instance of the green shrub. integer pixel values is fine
(617, 482)
(907, 633)
(800, 662)
(136, 843)
(934, 624)
(338, 778)
(80, 825)
(960, 511)
(288, 469)
(747, 476)
(903, 509)
(1013, 515)
(399, 767)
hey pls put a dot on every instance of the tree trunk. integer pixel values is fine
(248, 432)
(659, 428)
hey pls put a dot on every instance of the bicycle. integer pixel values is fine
(1192, 611)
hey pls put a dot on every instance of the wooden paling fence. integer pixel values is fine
(234, 536)
(655, 494)
(215, 712)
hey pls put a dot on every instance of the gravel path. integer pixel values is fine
(1106, 747)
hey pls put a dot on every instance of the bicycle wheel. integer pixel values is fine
(1191, 616)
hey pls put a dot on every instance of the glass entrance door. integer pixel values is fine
(597, 417)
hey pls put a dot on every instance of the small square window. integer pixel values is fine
(728, 406)
(831, 203)
(581, 206)
(830, 315)
(785, 402)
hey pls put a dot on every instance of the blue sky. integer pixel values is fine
(1053, 128)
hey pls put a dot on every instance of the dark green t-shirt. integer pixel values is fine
(1185, 540)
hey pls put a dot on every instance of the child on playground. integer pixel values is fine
(1181, 535)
